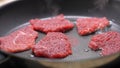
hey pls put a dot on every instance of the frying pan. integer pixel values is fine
(3, 58)
(16, 15)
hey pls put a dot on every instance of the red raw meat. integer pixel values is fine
(55, 24)
(108, 42)
(53, 45)
(20, 40)
(89, 25)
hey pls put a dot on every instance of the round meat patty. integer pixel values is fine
(20, 40)
(53, 45)
(89, 25)
(108, 42)
(55, 24)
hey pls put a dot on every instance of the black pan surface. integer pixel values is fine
(80, 50)
(3, 57)
(18, 14)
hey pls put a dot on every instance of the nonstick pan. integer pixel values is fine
(16, 15)
(3, 58)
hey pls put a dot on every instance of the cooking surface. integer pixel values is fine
(80, 50)
(1, 57)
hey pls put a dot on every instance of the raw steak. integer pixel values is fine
(20, 40)
(55, 24)
(89, 25)
(53, 45)
(108, 42)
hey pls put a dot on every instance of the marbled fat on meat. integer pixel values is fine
(20, 40)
